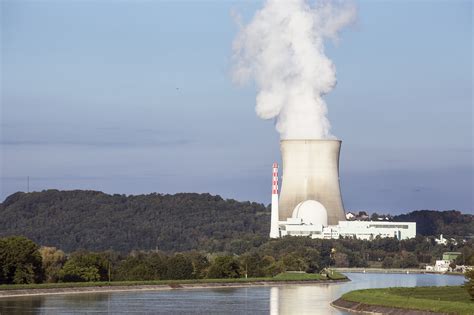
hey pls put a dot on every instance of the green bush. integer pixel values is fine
(224, 267)
(71, 272)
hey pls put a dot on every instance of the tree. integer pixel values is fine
(356, 260)
(340, 260)
(387, 262)
(469, 285)
(326, 259)
(180, 267)
(255, 265)
(142, 266)
(53, 260)
(273, 267)
(408, 260)
(134, 269)
(200, 264)
(74, 272)
(20, 261)
(470, 260)
(224, 267)
(158, 263)
(85, 266)
(312, 259)
(386, 244)
(294, 262)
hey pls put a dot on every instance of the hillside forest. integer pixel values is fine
(92, 220)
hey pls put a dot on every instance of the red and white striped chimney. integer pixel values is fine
(274, 228)
(275, 179)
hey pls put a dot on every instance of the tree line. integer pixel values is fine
(24, 261)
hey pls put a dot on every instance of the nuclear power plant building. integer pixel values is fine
(310, 203)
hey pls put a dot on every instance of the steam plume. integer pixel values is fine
(282, 49)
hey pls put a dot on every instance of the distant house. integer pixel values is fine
(441, 240)
(442, 265)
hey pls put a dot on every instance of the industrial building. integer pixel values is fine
(310, 203)
(311, 172)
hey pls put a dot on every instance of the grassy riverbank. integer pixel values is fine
(449, 299)
(288, 276)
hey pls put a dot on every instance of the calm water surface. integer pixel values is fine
(288, 299)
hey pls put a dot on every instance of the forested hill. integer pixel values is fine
(93, 220)
(449, 223)
(97, 221)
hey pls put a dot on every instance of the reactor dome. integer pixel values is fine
(311, 212)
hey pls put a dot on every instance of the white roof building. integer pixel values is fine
(309, 218)
(442, 265)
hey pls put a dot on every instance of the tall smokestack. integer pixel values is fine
(311, 172)
(274, 229)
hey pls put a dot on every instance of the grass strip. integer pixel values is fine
(280, 277)
(447, 299)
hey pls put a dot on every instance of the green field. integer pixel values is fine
(280, 277)
(290, 276)
(449, 299)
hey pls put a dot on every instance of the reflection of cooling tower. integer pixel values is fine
(311, 172)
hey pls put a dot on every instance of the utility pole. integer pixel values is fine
(28, 184)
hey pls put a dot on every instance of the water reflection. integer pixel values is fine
(21, 305)
(281, 300)
(316, 299)
(302, 299)
(274, 300)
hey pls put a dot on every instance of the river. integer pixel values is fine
(286, 299)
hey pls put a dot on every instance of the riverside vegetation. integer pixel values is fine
(24, 263)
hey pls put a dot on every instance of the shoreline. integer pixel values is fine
(394, 271)
(419, 300)
(362, 308)
(15, 293)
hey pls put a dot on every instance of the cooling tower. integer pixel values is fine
(311, 172)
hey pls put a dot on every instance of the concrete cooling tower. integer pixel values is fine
(311, 172)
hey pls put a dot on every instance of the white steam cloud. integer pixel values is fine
(282, 49)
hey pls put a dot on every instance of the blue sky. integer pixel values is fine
(136, 97)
